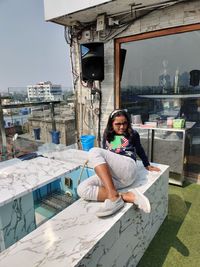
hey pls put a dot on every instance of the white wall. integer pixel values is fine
(59, 8)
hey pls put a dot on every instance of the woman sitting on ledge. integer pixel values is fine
(115, 166)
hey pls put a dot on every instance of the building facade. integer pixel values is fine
(151, 66)
(44, 91)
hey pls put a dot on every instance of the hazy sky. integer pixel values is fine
(31, 50)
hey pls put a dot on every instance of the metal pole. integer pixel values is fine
(152, 143)
(52, 117)
(3, 132)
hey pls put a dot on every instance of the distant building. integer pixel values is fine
(44, 91)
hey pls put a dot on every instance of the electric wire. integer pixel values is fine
(77, 30)
(84, 118)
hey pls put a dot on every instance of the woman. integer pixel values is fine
(115, 166)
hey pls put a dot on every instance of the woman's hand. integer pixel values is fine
(152, 168)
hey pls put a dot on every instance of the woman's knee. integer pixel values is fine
(96, 155)
(81, 190)
(87, 192)
(94, 151)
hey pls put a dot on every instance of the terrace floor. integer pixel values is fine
(177, 243)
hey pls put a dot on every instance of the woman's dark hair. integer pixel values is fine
(109, 133)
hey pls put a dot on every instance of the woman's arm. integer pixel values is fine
(103, 144)
(141, 153)
(152, 168)
(139, 149)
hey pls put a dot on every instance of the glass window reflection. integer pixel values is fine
(160, 78)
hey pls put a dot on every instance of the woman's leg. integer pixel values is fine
(93, 187)
(115, 171)
(89, 188)
(139, 199)
(108, 189)
(128, 197)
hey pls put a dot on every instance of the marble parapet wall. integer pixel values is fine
(76, 237)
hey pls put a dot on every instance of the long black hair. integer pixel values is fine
(109, 132)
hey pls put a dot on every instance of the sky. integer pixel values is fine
(31, 49)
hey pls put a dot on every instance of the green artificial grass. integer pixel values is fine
(177, 243)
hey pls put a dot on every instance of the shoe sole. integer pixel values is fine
(110, 212)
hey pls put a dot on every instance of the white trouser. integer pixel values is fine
(123, 170)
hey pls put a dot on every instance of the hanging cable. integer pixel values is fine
(84, 119)
(95, 90)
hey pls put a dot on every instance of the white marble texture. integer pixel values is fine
(26, 176)
(126, 241)
(17, 181)
(10, 162)
(69, 155)
(76, 237)
(17, 219)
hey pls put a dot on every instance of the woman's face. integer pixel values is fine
(120, 124)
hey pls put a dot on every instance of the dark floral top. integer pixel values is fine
(130, 147)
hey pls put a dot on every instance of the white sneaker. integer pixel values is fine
(141, 201)
(110, 207)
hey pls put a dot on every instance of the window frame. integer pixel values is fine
(137, 37)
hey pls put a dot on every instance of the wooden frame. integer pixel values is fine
(142, 36)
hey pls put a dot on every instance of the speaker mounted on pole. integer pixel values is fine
(92, 61)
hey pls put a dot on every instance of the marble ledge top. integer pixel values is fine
(69, 155)
(26, 176)
(80, 156)
(66, 238)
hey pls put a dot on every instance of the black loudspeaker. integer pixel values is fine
(194, 77)
(92, 61)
